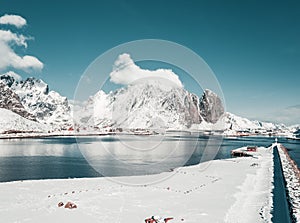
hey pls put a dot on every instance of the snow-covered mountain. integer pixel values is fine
(143, 105)
(150, 105)
(34, 97)
(295, 128)
(234, 122)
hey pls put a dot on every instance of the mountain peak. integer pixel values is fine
(32, 83)
(9, 78)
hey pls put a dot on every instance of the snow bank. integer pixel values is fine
(232, 190)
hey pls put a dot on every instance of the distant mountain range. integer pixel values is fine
(151, 105)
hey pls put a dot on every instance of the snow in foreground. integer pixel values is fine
(232, 190)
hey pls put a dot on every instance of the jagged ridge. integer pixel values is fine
(35, 101)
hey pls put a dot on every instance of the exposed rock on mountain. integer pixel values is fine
(11, 101)
(211, 107)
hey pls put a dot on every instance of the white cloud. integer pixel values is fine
(7, 36)
(15, 20)
(125, 72)
(9, 58)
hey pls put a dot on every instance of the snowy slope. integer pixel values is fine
(294, 128)
(10, 121)
(235, 122)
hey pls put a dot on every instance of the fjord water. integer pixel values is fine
(68, 157)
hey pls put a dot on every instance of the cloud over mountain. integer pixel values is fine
(126, 72)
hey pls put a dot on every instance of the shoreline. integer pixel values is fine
(208, 192)
(27, 135)
(46, 135)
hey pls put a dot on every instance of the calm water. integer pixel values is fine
(68, 157)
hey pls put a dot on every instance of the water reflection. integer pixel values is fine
(63, 157)
(143, 155)
(64, 147)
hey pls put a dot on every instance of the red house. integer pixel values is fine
(251, 148)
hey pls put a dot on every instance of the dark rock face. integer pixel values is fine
(7, 80)
(192, 114)
(183, 103)
(211, 108)
(176, 100)
(11, 101)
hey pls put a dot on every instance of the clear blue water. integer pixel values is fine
(66, 157)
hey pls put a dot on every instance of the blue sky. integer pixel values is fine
(253, 47)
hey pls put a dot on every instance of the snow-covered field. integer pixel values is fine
(231, 190)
